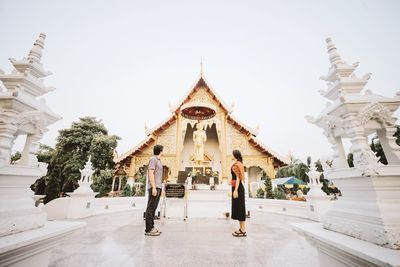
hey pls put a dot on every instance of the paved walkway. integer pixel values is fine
(118, 240)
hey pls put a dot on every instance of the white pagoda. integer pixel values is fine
(363, 227)
(26, 237)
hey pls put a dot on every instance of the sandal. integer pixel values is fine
(239, 234)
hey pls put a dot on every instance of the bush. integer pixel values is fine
(260, 193)
(268, 188)
(294, 189)
(279, 194)
(102, 182)
(127, 192)
(305, 190)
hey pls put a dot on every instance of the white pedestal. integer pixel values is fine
(17, 207)
(32, 248)
(26, 237)
(318, 203)
(75, 207)
(338, 250)
(369, 207)
(317, 207)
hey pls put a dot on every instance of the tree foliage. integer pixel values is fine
(86, 137)
(295, 168)
(127, 191)
(279, 193)
(326, 184)
(350, 160)
(268, 188)
(377, 147)
(102, 182)
(260, 193)
(16, 156)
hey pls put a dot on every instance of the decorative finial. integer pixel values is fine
(115, 155)
(171, 107)
(146, 128)
(201, 66)
(334, 56)
(36, 52)
(257, 129)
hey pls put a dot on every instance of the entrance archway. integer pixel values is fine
(212, 158)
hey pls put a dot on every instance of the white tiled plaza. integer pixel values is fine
(118, 240)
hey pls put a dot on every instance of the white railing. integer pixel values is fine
(81, 207)
(287, 207)
(63, 208)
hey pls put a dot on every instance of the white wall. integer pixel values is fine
(78, 207)
(254, 174)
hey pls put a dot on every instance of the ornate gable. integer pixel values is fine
(239, 136)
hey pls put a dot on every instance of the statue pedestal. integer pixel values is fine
(17, 207)
(33, 247)
(362, 228)
(339, 250)
(317, 201)
(26, 237)
(79, 205)
(318, 206)
(369, 207)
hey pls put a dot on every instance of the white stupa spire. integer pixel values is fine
(36, 52)
(201, 67)
(334, 55)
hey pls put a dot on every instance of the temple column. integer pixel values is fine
(119, 183)
(178, 147)
(31, 147)
(7, 137)
(339, 155)
(246, 183)
(131, 172)
(224, 167)
(363, 155)
(113, 184)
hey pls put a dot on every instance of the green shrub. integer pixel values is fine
(279, 194)
(268, 188)
(127, 192)
(260, 193)
(305, 190)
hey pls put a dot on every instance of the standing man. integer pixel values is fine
(154, 185)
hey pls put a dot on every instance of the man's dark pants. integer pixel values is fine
(151, 209)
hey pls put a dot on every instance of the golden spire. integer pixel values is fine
(201, 66)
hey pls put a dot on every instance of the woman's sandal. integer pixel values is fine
(239, 234)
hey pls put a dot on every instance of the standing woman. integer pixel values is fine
(238, 203)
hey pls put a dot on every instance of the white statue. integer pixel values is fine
(199, 139)
(189, 182)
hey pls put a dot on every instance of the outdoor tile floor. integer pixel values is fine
(118, 240)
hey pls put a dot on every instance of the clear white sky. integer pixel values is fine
(123, 61)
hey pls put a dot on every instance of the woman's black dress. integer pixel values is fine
(238, 204)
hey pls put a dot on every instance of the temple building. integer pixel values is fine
(199, 135)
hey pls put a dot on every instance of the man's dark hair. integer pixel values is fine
(158, 149)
